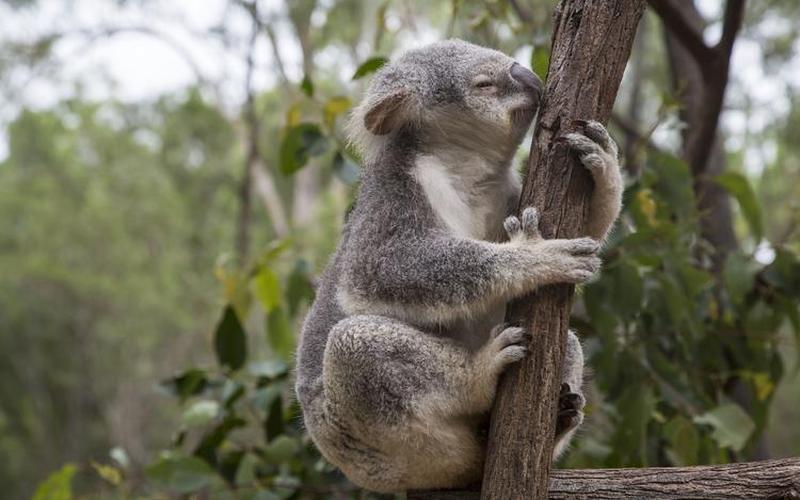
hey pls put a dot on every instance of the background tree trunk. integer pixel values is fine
(713, 202)
(591, 44)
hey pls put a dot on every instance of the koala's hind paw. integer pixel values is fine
(508, 344)
(570, 415)
(528, 227)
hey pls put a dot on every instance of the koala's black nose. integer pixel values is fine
(526, 77)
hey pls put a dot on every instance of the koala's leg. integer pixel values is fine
(402, 408)
(571, 400)
(598, 153)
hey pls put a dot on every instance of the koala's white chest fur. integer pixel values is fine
(468, 195)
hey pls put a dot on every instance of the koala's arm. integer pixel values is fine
(438, 278)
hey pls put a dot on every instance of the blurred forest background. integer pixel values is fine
(173, 176)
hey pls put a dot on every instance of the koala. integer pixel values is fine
(400, 354)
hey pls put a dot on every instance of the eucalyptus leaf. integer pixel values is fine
(200, 413)
(732, 425)
(230, 341)
(57, 486)
(300, 143)
(371, 65)
(739, 187)
(181, 474)
(279, 334)
(267, 288)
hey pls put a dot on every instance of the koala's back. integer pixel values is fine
(390, 208)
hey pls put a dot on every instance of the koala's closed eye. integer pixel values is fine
(483, 82)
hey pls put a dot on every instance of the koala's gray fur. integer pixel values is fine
(400, 354)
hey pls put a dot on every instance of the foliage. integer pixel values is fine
(658, 316)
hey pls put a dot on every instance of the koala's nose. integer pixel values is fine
(526, 77)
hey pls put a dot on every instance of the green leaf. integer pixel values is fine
(267, 288)
(246, 473)
(307, 86)
(207, 448)
(784, 272)
(281, 449)
(299, 144)
(273, 425)
(347, 171)
(299, 288)
(279, 334)
(737, 185)
(230, 341)
(732, 425)
(540, 61)
(740, 273)
(58, 485)
(181, 474)
(672, 182)
(628, 288)
(371, 65)
(200, 413)
(684, 441)
(189, 383)
(334, 107)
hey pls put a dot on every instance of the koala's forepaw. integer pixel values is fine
(574, 261)
(527, 228)
(508, 344)
(570, 414)
(596, 150)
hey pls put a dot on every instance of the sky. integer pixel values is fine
(133, 66)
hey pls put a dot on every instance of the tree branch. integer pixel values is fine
(674, 19)
(732, 22)
(769, 479)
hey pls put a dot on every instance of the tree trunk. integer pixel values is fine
(591, 44)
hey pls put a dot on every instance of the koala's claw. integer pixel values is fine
(530, 221)
(509, 344)
(598, 133)
(583, 246)
(570, 405)
(595, 148)
(529, 226)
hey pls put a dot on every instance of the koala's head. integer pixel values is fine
(449, 94)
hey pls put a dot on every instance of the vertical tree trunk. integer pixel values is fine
(591, 43)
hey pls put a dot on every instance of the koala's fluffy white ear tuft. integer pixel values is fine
(388, 113)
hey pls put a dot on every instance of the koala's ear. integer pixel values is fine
(388, 113)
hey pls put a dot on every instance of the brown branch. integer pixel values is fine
(520, 445)
(524, 16)
(769, 479)
(715, 73)
(732, 22)
(252, 153)
(674, 19)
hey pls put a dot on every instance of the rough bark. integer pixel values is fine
(770, 479)
(591, 44)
